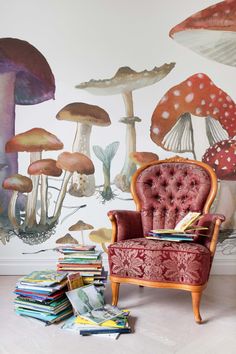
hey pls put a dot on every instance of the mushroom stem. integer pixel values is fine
(82, 237)
(122, 180)
(44, 202)
(104, 247)
(107, 193)
(7, 124)
(82, 185)
(30, 219)
(61, 196)
(12, 210)
(226, 203)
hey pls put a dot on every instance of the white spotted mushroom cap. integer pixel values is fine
(199, 96)
(222, 158)
(210, 32)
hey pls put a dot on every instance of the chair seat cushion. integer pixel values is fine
(162, 261)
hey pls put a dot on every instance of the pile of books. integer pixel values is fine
(42, 295)
(183, 231)
(92, 316)
(83, 259)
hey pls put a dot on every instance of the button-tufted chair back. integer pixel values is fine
(166, 192)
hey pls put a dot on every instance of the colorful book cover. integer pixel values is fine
(43, 278)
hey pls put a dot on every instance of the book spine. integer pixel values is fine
(87, 332)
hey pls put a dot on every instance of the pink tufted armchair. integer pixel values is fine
(164, 192)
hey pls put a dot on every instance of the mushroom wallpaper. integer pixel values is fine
(82, 107)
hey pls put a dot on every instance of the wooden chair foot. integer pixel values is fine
(196, 299)
(115, 293)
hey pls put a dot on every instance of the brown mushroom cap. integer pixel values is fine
(143, 157)
(34, 79)
(67, 239)
(210, 32)
(18, 183)
(126, 80)
(84, 113)
(75, 161)
(33, 140)
(80, 226)
(44, 167)
(197, 95)
(222, 158)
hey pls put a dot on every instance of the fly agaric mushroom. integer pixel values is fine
(44, 168)
(34, 141)
(222, 158)
(141, 158)
(85, 116)
(70, 162)
(125, 81)
(210, 32)
(67, 239)
(17, 183)
(171, 126)
(81, 226)
(25, 79)
(101, 236)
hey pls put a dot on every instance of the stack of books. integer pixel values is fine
(92, 316)
(83, 259)
(42, 295)
(183, 231)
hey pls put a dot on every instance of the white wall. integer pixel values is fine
(89, 39)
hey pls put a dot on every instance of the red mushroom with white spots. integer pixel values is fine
(222, 158)
(171, 126)
(210, 32)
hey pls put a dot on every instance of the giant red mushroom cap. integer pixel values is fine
(33, 140)
(34, 79)
(222, 158)
(210, 32)
(199, 96)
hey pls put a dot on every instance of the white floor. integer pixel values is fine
(162, 322)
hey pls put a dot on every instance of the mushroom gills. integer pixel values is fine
(180, 137)
(216, 45)
(214, 131)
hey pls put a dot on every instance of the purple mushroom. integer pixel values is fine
(25, 79)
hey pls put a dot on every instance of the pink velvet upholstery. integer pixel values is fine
(166, 193)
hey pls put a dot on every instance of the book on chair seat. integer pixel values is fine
(184, 226)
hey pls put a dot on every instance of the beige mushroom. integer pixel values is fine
(141, 158)
(67, 239)
(85, 116)
(81, 226)
(125, 81)
(101, 236)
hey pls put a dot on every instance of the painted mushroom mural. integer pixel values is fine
(25, 79)
(171, 126)
(85, 116)
(124, 82)
(210, 32)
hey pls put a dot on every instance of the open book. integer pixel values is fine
(185, 225)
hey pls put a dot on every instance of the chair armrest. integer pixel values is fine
(212, 222)
(126, 224)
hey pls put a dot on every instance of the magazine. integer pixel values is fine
(101, 314)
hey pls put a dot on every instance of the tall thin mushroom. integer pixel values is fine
(125, 82)
(81, 226)
(85, 116)
(16, 183)
(33, 141)
(171, 126)
(210, 32)
(25, 79)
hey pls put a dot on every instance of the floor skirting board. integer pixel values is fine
(21, 267)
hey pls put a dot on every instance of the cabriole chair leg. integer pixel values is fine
(115, 292)
(196, 298)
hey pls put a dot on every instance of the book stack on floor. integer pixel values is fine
(41, 295)
(84, 259)
(183, 231)
(93, 317)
